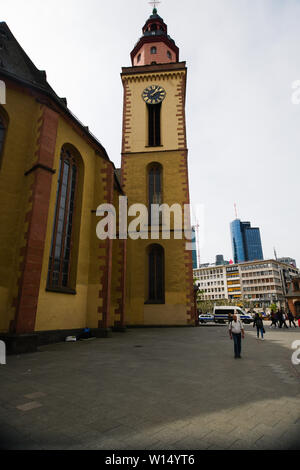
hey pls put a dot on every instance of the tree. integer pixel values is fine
(273, 308)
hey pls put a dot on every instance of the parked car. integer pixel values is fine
(222, 314)
(206, 317)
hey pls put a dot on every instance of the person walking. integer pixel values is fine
(284, 319)
(258, 322)
(273, 319)
(291, 319)
(236, 332)
(280, 319)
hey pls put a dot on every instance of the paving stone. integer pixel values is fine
(29, 406)
(33, 396)
(107, 394)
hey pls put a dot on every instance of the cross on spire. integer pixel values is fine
(154, 3)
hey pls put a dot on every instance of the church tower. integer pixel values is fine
(159, 279)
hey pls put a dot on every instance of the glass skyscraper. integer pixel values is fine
(246, 242)
(194, 252)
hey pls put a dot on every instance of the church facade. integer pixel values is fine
(56, 276)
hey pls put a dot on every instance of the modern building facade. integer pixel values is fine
(212, 282)
(262, 282)
(288, 260)
(246, 242)
(293, 296)
(220, 260)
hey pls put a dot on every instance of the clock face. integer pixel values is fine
(154, 94)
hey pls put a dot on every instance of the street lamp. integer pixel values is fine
(196, 289)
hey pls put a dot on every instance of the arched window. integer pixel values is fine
(155, 195)
(138, 58)
(61, 245)
(155, 184)
(154, 27)
(154, 111)
(153, 50)
(156, 275)
(2, 136)
(169, 55)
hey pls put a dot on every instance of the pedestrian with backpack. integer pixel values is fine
(236, 332)
(258, 322)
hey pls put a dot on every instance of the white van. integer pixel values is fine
(221, 314)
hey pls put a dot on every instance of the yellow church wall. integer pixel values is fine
(174, 311)
(136, 124)
(19, 154)
(116, 269)
(174, 180)
(59, 310)
(94, 301)
(115, 284)
(169, 314)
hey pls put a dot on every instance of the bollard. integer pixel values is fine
(2, 353)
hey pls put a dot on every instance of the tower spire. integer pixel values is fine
(155, 46)
(154, 3)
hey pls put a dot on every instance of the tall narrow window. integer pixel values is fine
(154, 191)
(60, 254)
(156, 270)
(153, 50)
(154, 111)
(2, 136)
(155, 184)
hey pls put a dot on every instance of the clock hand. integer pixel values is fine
(155, 91)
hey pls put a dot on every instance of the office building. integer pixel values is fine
(194, 250)
(246, 242)
(259, 282)
(288, 260)
(220, 260)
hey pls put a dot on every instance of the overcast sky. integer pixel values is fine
(243, 129)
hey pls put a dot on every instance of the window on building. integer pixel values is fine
(156, 274)
(61, 245)
(138, 58)
(153, 50)
(154, 112)
(155, 184)
(169, 55)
